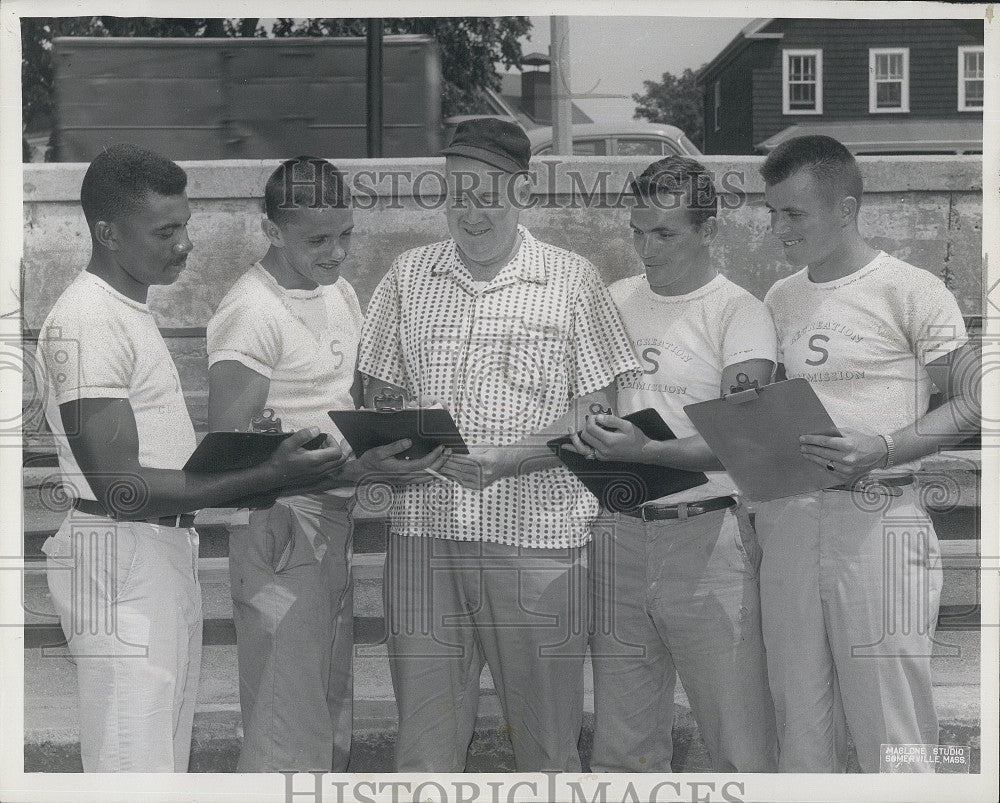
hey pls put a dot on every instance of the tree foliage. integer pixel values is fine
(676, 100)
(471, 48)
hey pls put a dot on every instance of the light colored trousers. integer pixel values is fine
(294, 614)
(453, 605)
(678, 597)
(850, 586)
(129, 603)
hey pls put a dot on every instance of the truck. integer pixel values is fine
(243, 98)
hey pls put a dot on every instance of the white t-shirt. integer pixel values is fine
(304, 341)
(684, 342)
(99, 344)
(863, 341)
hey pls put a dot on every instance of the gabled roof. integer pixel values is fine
(760, 28)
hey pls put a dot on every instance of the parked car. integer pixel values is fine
(619, 139)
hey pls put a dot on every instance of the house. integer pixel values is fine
(525, 98)
(529, 94)
(878, 85)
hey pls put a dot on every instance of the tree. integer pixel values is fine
(674, 100)
(471, 48)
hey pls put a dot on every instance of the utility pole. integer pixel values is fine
(562, 105)
(373, 117)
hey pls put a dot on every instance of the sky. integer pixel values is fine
(613, 55)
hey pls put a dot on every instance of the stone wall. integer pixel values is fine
(926, 210)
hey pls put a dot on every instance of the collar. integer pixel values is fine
(528, 264)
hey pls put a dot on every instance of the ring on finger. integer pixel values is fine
(592, 454)
(831, 467)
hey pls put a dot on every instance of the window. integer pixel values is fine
(717, 106)
(971, 74)
(802, 82)
(888, 80)
(642, 146)
(589, 147)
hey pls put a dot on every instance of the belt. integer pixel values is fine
(92, 508)
(869, 483)
(681, 510)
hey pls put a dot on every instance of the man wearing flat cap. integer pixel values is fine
(488, 564)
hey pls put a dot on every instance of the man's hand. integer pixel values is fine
(380, 464)
(848, 457)
(292, 466)
(481, 467)
(608, 437)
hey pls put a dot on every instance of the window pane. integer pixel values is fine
(896, 66)
(802, 96)
(974, 93)
(592, 147)
(639, 147)
(801, 68)
(973, 65)
(889, 95)
(889, 66)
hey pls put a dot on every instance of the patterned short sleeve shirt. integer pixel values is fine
(507, 359)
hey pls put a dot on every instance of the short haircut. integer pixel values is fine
(304, 182)
(680, 177)
(831, 164)
(121, 176)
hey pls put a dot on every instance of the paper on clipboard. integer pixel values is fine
(755, 434)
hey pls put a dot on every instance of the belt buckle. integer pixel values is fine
(683, 511)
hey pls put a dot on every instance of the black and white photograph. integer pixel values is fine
(591, 405)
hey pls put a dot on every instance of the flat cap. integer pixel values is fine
(499, 143)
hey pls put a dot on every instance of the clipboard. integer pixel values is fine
(232, 451)
(391, 420)
(621, 486)
(755, 434)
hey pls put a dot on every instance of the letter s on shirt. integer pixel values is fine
(814, 342)
(647, 356)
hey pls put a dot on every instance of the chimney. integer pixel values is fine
(536, 96)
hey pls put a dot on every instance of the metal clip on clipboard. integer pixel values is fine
(386, 402)
(743, 391)
(267, 421)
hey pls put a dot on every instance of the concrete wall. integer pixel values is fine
(926, 210)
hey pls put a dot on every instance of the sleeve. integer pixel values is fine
(351, 299)
(748, 333)
(239, 331)
(601, 348)
(380, 353)
(935, 326)
(86, 357)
